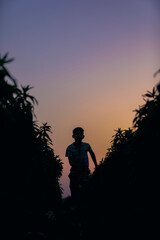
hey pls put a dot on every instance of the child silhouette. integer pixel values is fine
(78, 160)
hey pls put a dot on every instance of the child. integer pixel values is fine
(78, 159)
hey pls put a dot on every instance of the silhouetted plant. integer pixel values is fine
(29, 170)
(120, 138)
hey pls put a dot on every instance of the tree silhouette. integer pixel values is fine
(29, 171)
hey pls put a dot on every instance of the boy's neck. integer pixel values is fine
(77, 143)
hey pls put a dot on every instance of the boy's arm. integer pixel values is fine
(93, 158)
(69, 155)
(70, 159)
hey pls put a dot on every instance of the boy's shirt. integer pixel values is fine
(79, 154)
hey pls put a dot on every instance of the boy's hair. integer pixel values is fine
(78, 129)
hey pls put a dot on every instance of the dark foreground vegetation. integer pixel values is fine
(121, 199)
(29, 169)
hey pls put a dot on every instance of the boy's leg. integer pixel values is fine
(76, 179)
(84, 177)
(74, 189)
(74, 186)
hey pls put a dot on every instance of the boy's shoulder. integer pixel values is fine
(84, 144)
(71, 145)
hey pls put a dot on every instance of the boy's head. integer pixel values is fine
(78, 134)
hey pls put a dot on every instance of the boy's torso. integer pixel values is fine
(78, 154)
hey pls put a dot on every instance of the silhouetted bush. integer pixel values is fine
(29, 169)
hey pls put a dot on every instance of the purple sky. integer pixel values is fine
(88, 60)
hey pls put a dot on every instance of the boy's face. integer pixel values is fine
(78, 136)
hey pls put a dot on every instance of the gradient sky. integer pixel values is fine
(89, 61)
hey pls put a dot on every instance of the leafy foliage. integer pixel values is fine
(29, 169)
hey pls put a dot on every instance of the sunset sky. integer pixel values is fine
(89, 61)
